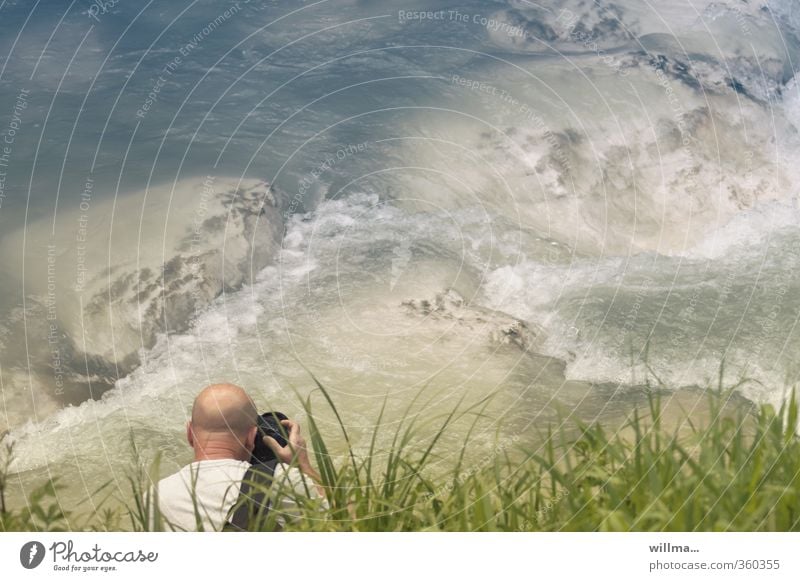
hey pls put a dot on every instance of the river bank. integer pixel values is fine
(727, 466)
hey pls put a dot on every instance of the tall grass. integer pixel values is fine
(43, 510)
(740, 471)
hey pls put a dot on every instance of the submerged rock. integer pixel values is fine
(499, 328)
(114, 274)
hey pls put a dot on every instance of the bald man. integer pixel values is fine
(222, 432)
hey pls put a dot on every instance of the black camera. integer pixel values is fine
(269, 424)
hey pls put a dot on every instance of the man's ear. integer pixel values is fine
(250, 441)
(189, 433)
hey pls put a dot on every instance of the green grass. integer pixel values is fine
(739, 472)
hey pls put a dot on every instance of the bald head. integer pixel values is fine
(223, 407)
(223, 422)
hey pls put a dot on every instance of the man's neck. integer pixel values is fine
(213, 451)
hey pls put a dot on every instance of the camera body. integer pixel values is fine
(269, 424)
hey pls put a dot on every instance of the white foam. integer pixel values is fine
(748, 230)
(791, 102)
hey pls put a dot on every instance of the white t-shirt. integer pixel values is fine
(216, 486)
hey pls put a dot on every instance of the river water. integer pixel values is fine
(542, 203)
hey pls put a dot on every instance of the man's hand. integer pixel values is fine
(296, 445)
(295, 448)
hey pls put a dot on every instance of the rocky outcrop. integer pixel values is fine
(498, 328)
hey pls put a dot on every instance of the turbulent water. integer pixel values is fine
(542, 203)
